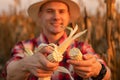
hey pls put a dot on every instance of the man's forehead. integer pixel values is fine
(52, 4)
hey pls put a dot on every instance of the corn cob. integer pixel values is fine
(57, 54)
(75, 54)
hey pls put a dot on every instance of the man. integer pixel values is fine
(53, 17)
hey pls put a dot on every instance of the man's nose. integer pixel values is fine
(56, 15)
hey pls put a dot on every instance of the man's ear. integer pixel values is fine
(39, 17)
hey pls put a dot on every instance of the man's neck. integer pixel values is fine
(53, 38)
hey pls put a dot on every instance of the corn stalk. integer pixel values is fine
(88, 26)
(111, 46)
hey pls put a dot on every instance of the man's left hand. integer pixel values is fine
(88, 67)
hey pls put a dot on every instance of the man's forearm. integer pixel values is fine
(15, 71)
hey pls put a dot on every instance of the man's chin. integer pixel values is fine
(56, 32)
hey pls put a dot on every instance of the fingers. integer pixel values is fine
(41, 73)
(86, 67)
(46, 50)
(84, 63)
(84, 74)
(38, 61)
(83, 71)
(88, 59)
(45, 64)
(87, 56)
(39, 65)
(44, 73)
(51, 66)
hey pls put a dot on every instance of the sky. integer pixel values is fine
(5, 4)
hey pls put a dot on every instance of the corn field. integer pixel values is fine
(103, 35)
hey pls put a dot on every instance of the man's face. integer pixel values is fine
(54, 17)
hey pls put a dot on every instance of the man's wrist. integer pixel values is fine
(101, 73)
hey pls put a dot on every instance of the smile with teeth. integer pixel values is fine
(57, 24)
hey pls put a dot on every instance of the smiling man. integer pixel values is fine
(53, 17)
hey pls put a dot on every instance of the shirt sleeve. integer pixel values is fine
(17, 53)
(85, 48)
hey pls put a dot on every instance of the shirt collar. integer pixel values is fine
(43, 39)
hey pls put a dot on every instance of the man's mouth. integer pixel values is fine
(57, 24)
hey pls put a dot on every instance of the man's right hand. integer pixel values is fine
(38, 65)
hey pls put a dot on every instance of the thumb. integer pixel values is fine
(87, 56)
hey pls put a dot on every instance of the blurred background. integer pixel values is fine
(100, 17)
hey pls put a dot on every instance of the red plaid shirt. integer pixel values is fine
(17, 53)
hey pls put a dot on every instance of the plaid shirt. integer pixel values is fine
(17, 53)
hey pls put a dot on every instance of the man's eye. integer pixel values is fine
(49, 11)
(61, 11)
